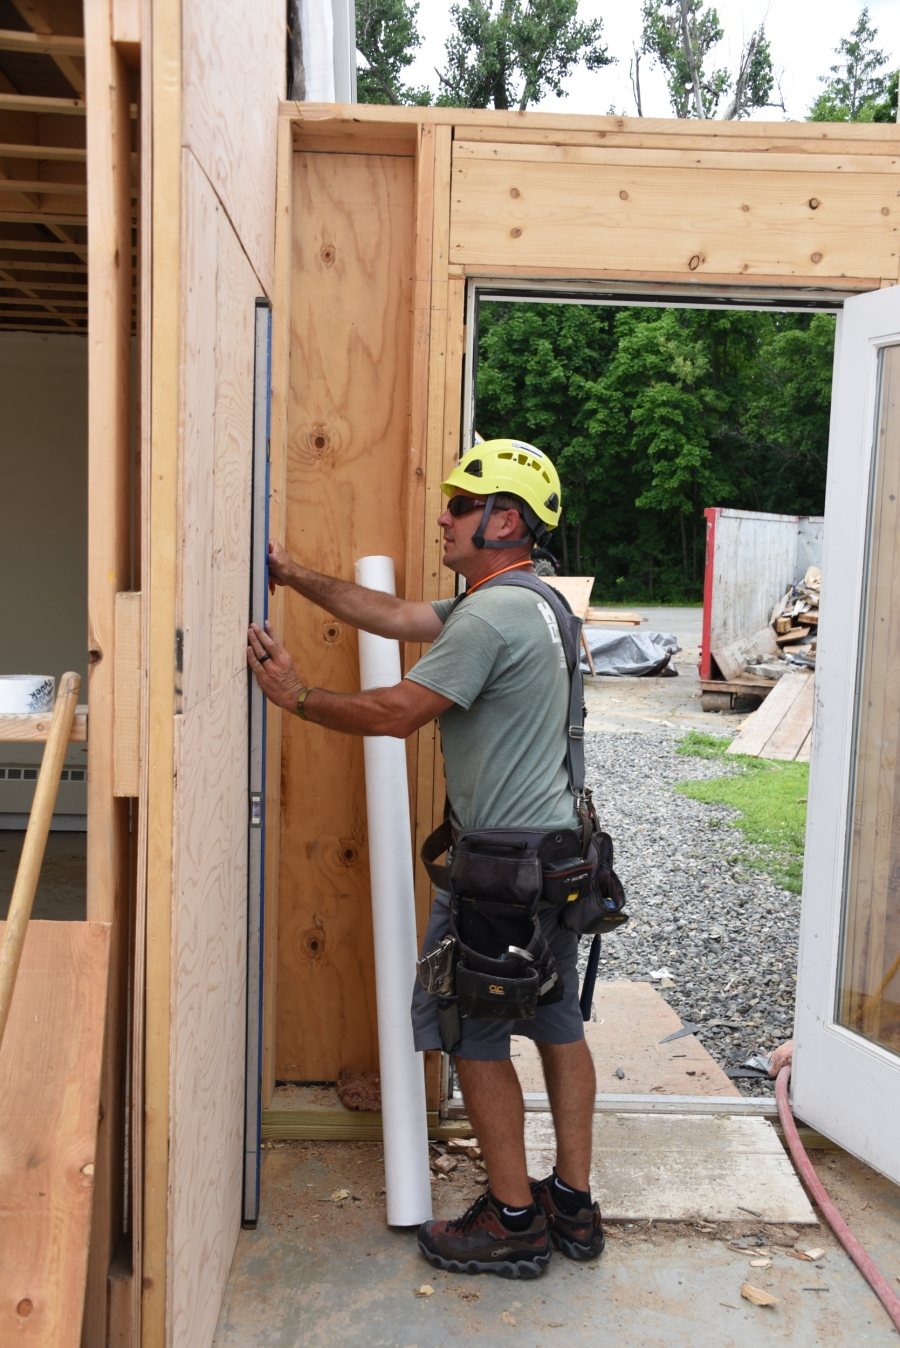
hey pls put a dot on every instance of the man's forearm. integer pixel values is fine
(372, 610)
(374, 712)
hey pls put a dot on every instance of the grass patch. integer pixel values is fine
(771, 798)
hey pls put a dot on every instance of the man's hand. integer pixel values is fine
(273, 667)
(280, 565)
(782, 1057)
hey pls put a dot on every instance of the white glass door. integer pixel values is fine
(846, 1075)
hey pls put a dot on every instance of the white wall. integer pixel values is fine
(43, 528)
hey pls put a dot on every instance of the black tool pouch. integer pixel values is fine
(505, 968)
(598, 910)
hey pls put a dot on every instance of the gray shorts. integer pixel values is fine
(488, 1040)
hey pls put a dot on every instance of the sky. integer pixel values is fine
(802, 34)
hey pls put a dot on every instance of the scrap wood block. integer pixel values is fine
(734, 657)
(49, 1106)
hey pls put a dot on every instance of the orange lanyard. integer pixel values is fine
(514, 566)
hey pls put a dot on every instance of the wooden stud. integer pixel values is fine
(44, 44)
(108, 132)
(164, 90)
(281, 358)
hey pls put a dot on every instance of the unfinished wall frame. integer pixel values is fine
(554, 207)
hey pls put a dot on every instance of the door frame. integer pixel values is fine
(842, 1083)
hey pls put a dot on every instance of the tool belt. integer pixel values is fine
(508, 886)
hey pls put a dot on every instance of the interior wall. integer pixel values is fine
(233, 75)
(43, 531)
(347, 465)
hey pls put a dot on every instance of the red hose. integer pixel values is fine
(876, 1280)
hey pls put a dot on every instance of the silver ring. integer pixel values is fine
(263, 658)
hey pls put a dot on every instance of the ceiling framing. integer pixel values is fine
(43, 167)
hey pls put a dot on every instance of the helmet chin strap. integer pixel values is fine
(540, 534)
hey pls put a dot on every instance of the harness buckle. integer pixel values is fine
(576, 732)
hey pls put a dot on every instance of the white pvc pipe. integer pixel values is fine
(407, 1176)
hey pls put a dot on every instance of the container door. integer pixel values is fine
(847, 1054)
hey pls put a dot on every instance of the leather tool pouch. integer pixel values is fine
(505, 967)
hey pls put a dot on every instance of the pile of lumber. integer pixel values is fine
(795, 619)
(782, 728)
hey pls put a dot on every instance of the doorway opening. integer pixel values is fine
(654, 409)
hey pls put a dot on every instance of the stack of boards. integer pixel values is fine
(782, 727)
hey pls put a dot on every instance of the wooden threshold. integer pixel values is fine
(341, 1125)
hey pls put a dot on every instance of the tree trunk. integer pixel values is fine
(684, 546)
(691, 58)
(578, 548)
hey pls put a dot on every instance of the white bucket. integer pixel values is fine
(25, 694)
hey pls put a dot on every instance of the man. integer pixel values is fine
(496, 678)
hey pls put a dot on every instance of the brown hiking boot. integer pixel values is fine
(577, 1237)
(478, 1242)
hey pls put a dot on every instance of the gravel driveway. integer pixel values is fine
(727, 934)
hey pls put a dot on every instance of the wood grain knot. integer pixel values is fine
(331, 631)
(318, 439)
(885, 210)
(620, 124)
(328, 253)
(815, 257)
(745, 208)
(814, 203)
(348, 852)
(514, 192)
(623, 195)
(515, 233)
(694, 262)
(313, 943)
(25, 1307)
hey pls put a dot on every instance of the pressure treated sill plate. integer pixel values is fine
(688, 1167)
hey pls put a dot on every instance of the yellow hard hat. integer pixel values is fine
(510, 467)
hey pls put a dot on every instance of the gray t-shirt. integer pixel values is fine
(501, 661)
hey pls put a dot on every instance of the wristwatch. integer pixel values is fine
(304, 694)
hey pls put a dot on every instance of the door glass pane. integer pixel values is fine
(869, 986)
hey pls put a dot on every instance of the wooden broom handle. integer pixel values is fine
(32, 857)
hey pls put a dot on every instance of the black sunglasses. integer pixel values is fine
(464, 505)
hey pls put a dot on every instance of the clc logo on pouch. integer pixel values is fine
(495, 987)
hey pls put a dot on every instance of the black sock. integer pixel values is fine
(567, 1199)
(517, 1219)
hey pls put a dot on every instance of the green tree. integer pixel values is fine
(515, 53)
(856, 85)
(651, 415)
(679, 35)
(387, 36)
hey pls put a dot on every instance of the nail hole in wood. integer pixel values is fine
(328, 254)
(313, 942)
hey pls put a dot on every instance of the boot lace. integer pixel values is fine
(471, 1217)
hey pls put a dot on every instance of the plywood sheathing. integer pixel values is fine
(347, 444)
(50, 1067)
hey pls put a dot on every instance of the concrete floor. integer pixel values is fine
(320, 1274)
(641, 704)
